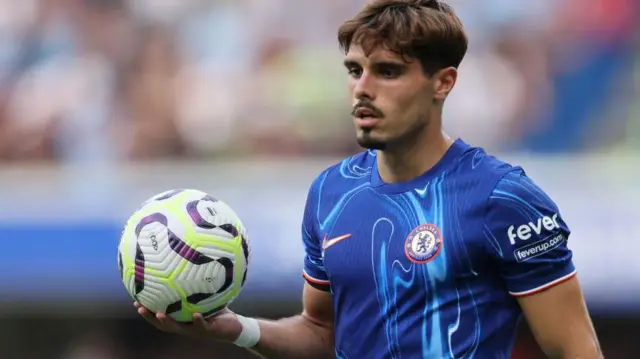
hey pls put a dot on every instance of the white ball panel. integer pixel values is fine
(205, 278)
(130, 282)
(158, 255)
(226, 214)
(156, 296)
(217, 214)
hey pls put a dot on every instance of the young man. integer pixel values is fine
(421, 246)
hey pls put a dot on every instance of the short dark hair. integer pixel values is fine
(427, 30)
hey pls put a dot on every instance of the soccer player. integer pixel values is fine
(421, 246)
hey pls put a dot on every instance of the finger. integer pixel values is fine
(199, 323)
(137, 305)
(167, 323)
(149, 317)
(145, 312)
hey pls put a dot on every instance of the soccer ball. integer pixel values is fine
(184, 252)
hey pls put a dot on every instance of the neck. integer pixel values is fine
(412, 158)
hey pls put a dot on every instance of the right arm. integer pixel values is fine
(309, 335)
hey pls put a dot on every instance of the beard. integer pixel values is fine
(368, 142)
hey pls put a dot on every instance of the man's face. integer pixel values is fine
(391, 98)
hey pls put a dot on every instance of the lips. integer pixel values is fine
(366, 117)
(364, 113)
(367, 122)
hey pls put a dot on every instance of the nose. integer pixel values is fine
(364, 88)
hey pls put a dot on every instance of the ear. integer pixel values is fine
(443, 82)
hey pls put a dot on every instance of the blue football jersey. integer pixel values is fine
(430, 268)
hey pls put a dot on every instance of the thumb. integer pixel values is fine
(224, 326)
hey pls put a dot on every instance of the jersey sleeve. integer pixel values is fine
(527, 236)
(313, 272)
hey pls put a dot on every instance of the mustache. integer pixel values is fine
(376, 111)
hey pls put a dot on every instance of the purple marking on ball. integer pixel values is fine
(245, 248)
(228, 273)
(152, 218)
(174, 307)
(139, 270)
(230, 228)
(175, 243)
(139, 274)
(244, 277)
(192, 209)
(186, 252)
(140, 261)
(120, 268)
(196, 298)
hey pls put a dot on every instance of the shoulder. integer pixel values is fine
(511, 197)
(483, 172)
(517, 196)
(497, 182)
(477, 161)
(350, 172)
(335, 181)
(517, 185)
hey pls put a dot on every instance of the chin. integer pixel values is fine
(367, 141)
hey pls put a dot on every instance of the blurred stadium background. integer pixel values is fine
(106, 102)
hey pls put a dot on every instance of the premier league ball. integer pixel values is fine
(184, 252)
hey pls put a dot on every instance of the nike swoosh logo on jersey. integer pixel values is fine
(422, 191)
(326, 243)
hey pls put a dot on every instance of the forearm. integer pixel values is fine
(577, 356)
(578, 350)
(593, 353)
(293, 338)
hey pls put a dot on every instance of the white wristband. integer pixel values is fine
(250, 334)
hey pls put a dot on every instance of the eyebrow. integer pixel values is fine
(389, 64)
(350, 63)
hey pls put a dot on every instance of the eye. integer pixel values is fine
(355, 72)
(389, 73)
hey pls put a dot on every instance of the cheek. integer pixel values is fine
(351, 85)
(416, 105)
(403, 115)
(400, 108)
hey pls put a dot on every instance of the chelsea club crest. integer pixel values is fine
(423, 244)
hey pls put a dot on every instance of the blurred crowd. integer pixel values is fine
(107, 81)
(113, 80)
